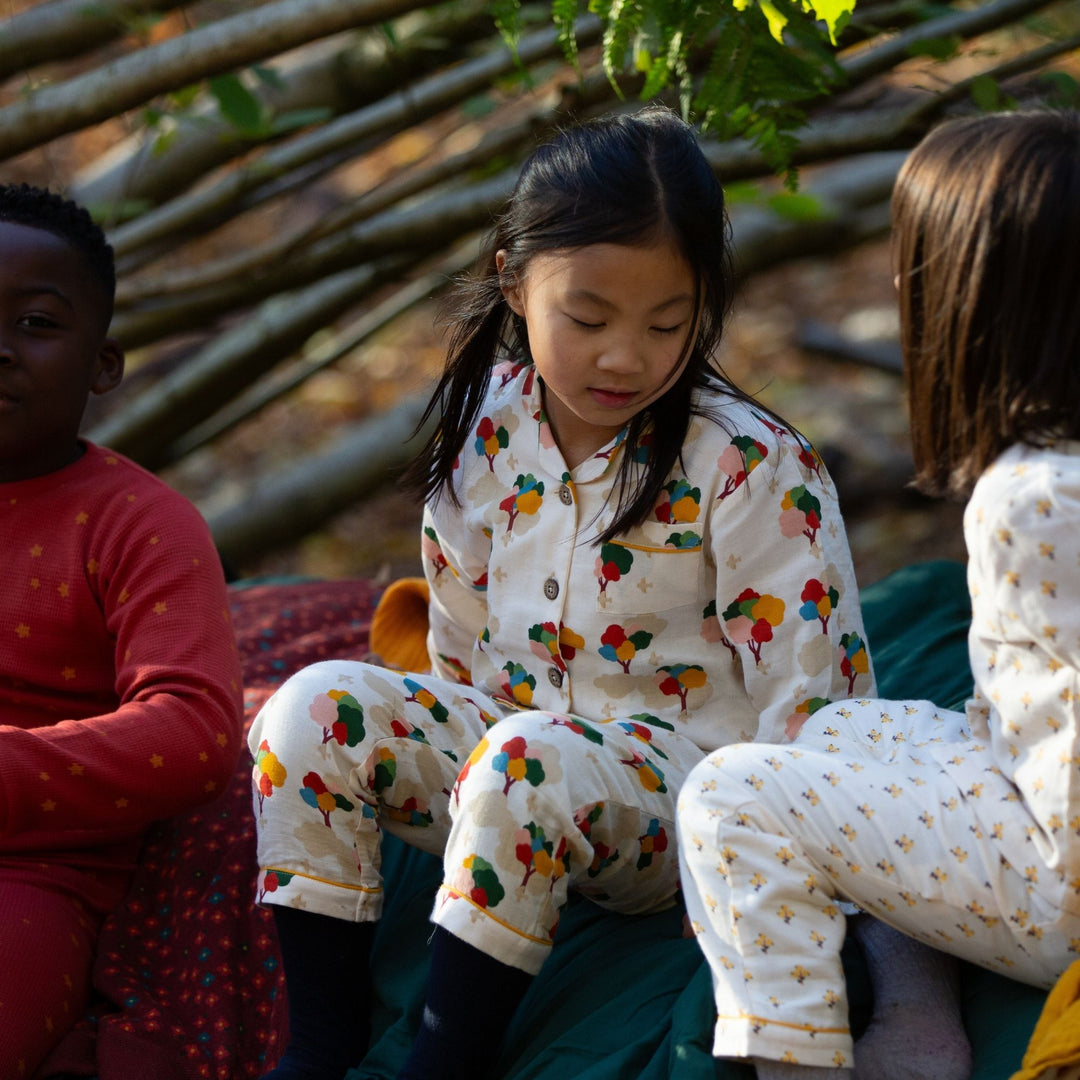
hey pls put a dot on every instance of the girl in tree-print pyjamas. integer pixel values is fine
(962, 829)
(586, 649)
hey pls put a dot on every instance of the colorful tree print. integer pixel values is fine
(819, 600)
(517, 684)
(538, 855)
(652, 721)
(612, 563)
(654, 842)
(315, 793)
(569, 643)
(642, 733)
(421, 695)
(384, 771)
(803, 711)
(809, 458)
(479, 882)
(751, 618)
(683, 541)
(525, 498)
(620, 644)
(712, 631)
(431, 550)
(273, 880)
(677, 680)
(544, 643)
(340, 716)
(649, 774)
(678, 502)
(478, 752)
(490, 440)
(579, 727)
(514, 762)
(738, 461)
(800, 514)
(457, 669)
(854, 659)
(603, 855)
(411, 812)
(269, 771)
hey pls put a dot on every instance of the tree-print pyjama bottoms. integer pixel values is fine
(523, 805)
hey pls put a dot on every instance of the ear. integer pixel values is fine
(511, 286)
(110, 367)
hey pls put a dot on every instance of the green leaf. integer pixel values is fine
(938, 48)
(268, 76)
(298, 118)
(237, 104)
(798, 207)
(1063, 91)
(986, 93)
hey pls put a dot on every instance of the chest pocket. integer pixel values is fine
(653, 567)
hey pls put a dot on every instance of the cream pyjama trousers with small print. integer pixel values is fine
(523, 805)
(771, 838)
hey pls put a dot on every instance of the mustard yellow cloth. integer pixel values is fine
(400, 624)
(1054, 1050)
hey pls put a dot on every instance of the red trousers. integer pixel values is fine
(47, 938)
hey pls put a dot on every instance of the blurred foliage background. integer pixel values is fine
(289, 185)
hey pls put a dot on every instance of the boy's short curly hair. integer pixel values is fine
(39, 208)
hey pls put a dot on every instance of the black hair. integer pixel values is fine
(986, 243)
(633, 179)
(39, 208)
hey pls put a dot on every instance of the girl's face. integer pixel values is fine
(608, 327)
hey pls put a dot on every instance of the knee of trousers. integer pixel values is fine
(312, 724)
(737, 786)
(528, 758)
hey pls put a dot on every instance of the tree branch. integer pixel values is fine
(65, 28)
(210, 50)
(190, 213)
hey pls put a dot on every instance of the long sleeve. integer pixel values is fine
(119, 678)
(786, 602)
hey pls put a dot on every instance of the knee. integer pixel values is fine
(725, 781)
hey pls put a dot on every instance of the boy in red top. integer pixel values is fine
(119, 680)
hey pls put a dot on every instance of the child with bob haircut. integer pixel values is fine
(630, 563)
(119, 678)
(960, 829)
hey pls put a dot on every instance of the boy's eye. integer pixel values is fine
(38, 321)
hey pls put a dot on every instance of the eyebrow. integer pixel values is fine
(600, 301)
(42, 289)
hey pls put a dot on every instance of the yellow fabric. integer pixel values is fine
(400, 624)
(1054, 1050)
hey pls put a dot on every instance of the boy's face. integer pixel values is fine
(53, 351)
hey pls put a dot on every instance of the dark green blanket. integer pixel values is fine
(625, 998)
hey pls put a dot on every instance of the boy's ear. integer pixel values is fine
(110, 367)
(511, 287)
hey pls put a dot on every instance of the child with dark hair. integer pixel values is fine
(959, 829)
(119, 678)
(630, 563)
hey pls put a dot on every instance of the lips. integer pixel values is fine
(612, 399)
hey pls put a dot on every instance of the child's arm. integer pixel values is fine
(457, 608)
(786, 596)
(173, 739)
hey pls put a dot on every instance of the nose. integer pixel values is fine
(621, 356)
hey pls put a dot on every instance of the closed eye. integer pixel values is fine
(585, 325)
(667, 329)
